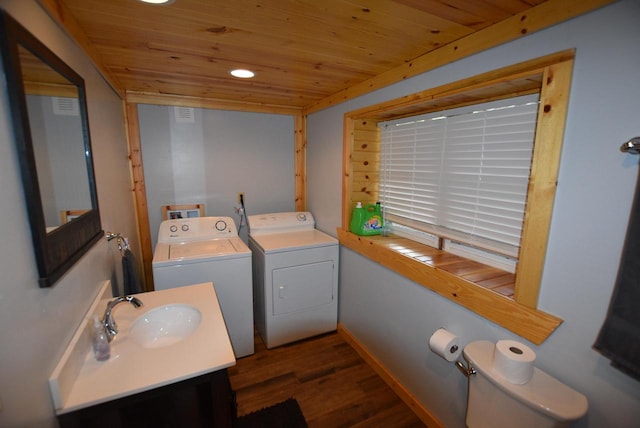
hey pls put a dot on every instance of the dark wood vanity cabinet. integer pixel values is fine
(204, 401)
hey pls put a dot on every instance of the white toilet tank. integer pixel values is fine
(494, 402)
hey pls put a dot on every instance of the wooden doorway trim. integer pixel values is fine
(139, 193)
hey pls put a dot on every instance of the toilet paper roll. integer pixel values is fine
(514, 361)
(445, 344)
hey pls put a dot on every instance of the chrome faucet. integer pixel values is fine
(110, 327)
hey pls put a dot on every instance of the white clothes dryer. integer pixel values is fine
(208, 249)
(295, 277)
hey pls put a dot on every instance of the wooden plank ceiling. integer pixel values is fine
(301, 50)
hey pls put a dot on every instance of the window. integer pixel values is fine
(524, 236)
(461, 175)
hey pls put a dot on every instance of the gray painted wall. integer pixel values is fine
(395, 317)
(211, 160)
(38, 323)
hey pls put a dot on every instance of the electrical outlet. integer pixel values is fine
(240, 197)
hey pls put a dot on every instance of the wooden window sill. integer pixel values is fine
(482, 289)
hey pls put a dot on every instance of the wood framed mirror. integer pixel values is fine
(51, 128)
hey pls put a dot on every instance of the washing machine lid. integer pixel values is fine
(200, 251)
(290, 241)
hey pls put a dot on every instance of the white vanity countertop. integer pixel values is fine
(80, 381)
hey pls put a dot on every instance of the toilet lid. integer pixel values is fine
(543, 392)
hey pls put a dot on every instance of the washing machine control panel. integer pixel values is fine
(198, 228)
(174, 228)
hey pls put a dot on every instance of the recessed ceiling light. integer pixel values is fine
(242, 74)
(158, 1)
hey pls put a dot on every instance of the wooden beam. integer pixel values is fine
(300, 161)
(210, 103)
(535, 19)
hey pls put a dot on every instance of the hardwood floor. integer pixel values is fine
(332, 384)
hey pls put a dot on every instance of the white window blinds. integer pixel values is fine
(461, 174)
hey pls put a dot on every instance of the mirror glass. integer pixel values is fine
(49, 116)
(58, 143)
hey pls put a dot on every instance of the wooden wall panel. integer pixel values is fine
(364, 166)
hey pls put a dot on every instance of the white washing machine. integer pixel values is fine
(203, 249)
(295, 277)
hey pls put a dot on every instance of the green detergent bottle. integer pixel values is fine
(367, 220)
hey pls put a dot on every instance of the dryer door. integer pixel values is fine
(297, 288)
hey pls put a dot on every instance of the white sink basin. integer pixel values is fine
(165, 326)
(187, 318)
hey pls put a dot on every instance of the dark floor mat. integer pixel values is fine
(282, 415)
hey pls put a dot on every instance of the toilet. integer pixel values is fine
(494, 402)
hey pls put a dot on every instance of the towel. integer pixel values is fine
(130, 274)
(619, 338)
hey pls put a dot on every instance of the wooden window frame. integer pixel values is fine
(550, 76)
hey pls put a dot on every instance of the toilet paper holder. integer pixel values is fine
(466, 371)
(445, 344)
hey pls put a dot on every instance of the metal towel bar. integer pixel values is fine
(123, 243)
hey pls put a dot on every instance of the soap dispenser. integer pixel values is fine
(101, 347)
